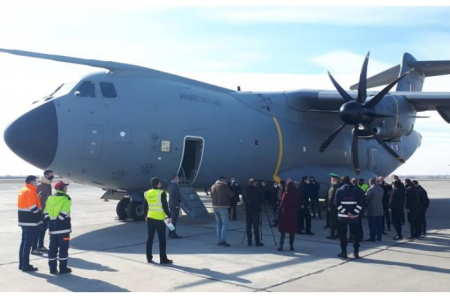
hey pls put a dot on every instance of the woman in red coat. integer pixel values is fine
(288, 215)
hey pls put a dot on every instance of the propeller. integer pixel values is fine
(360, 112)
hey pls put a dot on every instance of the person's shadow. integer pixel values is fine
(76, 283)
(83, 264)
(208, 274)
(370, 261)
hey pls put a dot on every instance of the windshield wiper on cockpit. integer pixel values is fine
(50, 96)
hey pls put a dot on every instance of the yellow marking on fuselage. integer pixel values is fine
(280, 153)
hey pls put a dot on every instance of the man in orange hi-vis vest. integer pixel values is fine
(30, 218)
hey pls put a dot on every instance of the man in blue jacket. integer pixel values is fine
(349, 205)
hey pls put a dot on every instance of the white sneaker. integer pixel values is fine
(36, 252)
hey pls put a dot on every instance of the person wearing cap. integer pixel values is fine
(157, 209)
(332, 211)
(44, 190)
(30, 219)
(58, 209)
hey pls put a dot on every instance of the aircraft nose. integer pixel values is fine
(34, 136)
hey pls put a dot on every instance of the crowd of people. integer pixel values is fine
(40, 209)
(294, 204)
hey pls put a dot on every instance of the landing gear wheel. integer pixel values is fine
(122, 207)
(135, 211)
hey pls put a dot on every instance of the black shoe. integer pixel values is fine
(29, 268)
(235, 219)
(309, 233)
(331, 237)
(384, 232)
(53, 271)
(224, 244)
(176, 236)
(370, 240)
(424, 233)
(398, 237)
(326, 226)
(250, 244)
(165, 261)
(411, 237)
(280, 248)
(342, 255)
(320, 217)
(259, 244)
(356, 255)
(65, 270)
(291, 248)
(300, 232)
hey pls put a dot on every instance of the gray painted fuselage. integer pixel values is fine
(116, 143)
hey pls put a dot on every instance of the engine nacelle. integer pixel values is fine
(394, 128)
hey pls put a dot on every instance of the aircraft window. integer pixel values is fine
(86, 89)
(108, 90)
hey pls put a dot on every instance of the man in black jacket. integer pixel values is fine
(349, 204)
(252, 200)
(396, 206)
(174, 203)
(413, 207)
(424, 205)
(303, 211)
(314, 188)
(236, 189)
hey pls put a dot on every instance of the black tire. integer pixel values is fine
(135, 211)
(122, 207)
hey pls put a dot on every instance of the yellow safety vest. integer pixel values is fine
(155, 208)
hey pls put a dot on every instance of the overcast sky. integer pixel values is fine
(258, 48)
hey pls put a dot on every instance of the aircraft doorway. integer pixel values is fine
(192, 159)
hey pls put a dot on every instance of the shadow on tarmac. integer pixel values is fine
(76, 283)
(83, 264)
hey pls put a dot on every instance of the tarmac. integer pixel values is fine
(108, 255)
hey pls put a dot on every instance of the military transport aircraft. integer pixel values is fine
(118, 128)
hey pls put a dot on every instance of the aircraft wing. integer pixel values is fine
(429, 101)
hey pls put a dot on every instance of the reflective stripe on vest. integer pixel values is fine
(155, 208)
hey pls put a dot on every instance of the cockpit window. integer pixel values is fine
(108, 90)
(86, 89)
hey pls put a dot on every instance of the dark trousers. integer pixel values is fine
(39, 241)
(342, 231)
(59, 245)
(423, 220)
(315, 206)
(375, 227)
(253, 219)
(233, 206)
(291, 239)
(29, 234)
(414, 223)
(304, 216)
(333, 223)
(386, 219)
(397, 221)
(175, 214)
(160, 227)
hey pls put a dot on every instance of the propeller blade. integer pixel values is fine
(324, 111)
(330, 138)
(343, 93)
(388, 149)
(355, 156)
(393, 116)
(362, 87)
(376, 99)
